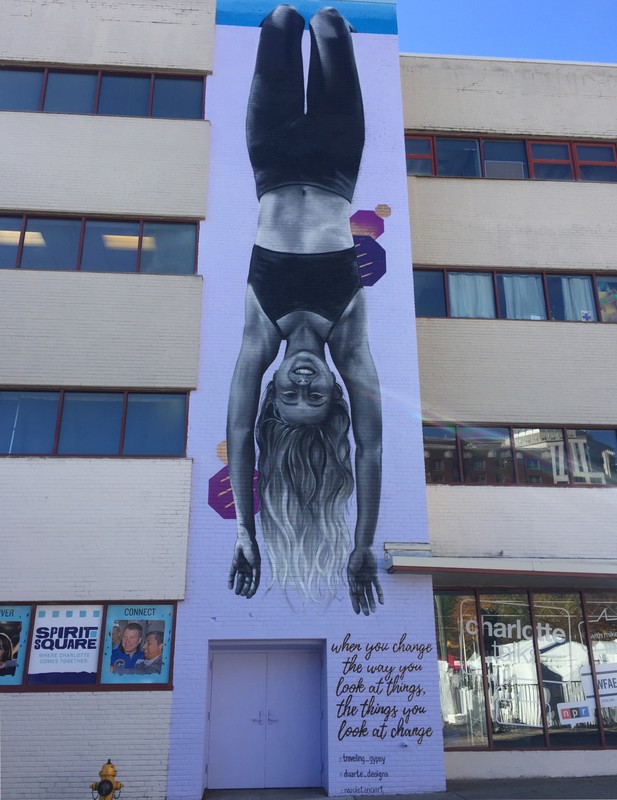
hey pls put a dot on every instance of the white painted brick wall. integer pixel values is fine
(520, 224)
(176, 34)
(517, 371)
(83, 329)
(537, 98)
(104, 165)
(522, 521)
(80, 529)
(54, 744)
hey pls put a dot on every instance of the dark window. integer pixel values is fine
(51, 244)
(541, 456)
(10, 228)
(155, 424)
(458, 158)
(168, 248)
(596, 162)
(441, 461)
(20, 89)
(419, 153)
(551, 161)
(607, 298)
(110, 246)
(521, 296)
(505, 159)
(91, 423)
(27, 422)
(70, 92)
(471, 294)
(571, 298)
(429, 293)
(592, 455)
(179, 98)
(487, 455)
(124, 95)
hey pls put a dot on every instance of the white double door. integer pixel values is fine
(265, 720)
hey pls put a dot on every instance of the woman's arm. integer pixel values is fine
(260, 344)
(352, 357)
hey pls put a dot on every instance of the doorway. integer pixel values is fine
(265, 719)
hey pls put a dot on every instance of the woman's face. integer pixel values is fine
(304, 389)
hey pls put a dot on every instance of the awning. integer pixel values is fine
(500, 571)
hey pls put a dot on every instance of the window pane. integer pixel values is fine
(559, 152)
(70, 93)
(419, 166)
(607, 295)
(155, 425)
(440, 454)
(178, 98)
(541, 456)
(20, 89)
(592, 455)
(28, 422)
(168, 248)
(602, 618)
(429, 294)
(521, 296)
(458, 158)
(10, 228)
(124, 95)
(571, 298)
(595, 173)
(487, 455)
(420, 147)
(505, 159)
(460, 671)
(90, 423)
(563, 654)
(514, 699)
(471, 295)
(51, 244)
(110, 246)
(589, 152)
(553, 172)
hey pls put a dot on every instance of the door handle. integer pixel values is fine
(271, 718)
(260, 719)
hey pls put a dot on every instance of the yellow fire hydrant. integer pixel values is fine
(105, 788)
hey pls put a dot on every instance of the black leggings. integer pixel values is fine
(323, 146)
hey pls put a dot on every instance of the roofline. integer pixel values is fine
(511, 60)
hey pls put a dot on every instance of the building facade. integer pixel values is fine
(128, 214)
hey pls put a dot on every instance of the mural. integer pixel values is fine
(305, 290)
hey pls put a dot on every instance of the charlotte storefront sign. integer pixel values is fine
(65, 645)
(516, 630)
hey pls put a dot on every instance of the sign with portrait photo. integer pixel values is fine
(137, 645)
(14, 625)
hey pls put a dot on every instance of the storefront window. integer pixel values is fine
(461, 689)
(602, 620)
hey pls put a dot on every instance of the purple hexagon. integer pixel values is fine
(366, 223)
(220, 496)
(371, 259)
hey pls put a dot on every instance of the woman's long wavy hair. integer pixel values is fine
(305, 481)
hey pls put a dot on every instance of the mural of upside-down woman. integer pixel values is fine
(304, 289)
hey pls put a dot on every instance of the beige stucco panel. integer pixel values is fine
(517, 372)
(535, 98)
(92, 528)
(95, 330)
(518, 224)
(522, 521)
(71, 163)
(54, 744)
(174, 35)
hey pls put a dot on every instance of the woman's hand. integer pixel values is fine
(245, 567)
(362, 577)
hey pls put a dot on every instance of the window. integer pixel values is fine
(510, 159)
(515, 295)
(94, 92)
(165, 248)
(93, 423)
(542, 456)
(515, 669)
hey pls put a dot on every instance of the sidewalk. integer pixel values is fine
(596, 788)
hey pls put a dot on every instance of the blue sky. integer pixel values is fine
(565, 30)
